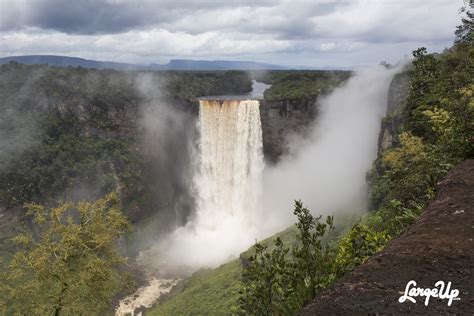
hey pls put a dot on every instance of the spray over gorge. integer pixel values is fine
(327, 169)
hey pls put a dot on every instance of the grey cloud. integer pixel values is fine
(283, 20)
(372, 21)
(104, 16)
(87, 16)
(80, 17)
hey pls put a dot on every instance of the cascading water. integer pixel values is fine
(227, 184)
(228, 180)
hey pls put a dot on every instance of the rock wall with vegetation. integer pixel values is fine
(397, 94)
(290, 105)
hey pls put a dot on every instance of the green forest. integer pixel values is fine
(301, 85)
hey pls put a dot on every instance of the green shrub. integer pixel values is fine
(280, 281)
(361, 242)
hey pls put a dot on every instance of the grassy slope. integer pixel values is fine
(209, 292)
(215, 291)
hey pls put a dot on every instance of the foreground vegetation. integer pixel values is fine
(70, 264)
(280, 282)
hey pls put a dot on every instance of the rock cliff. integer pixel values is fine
(281, 119)
(438, 247)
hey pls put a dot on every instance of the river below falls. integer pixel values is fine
(144, 297)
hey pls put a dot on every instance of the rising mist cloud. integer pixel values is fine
(327, 170)
(167, 136)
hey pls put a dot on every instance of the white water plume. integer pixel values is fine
(229, 176)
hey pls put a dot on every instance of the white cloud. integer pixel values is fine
(327, 46)
(318, 33)
(388, 21)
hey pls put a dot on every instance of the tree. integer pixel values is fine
(280, 282)
(71, 266)
(464, 32)
(313, 256)
(266, 281)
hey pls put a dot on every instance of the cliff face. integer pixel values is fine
(281, 119)
(397, 92)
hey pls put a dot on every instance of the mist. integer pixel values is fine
(19, 124)
(166, 137)
(327, 170)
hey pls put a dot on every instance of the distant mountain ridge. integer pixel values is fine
(174, 64)
(65, 61)
(184, 64)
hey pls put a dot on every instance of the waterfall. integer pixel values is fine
(227, 185)
(228, 179)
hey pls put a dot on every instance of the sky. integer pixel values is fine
(317, 33)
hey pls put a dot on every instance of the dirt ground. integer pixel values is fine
(439, 246)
